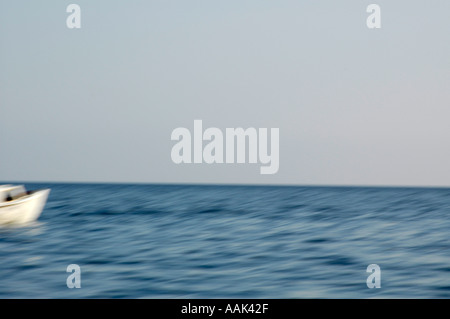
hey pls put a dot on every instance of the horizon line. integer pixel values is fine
(226, 184)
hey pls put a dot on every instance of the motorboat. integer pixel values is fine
(18, 206)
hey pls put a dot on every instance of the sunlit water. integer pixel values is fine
(162, 241)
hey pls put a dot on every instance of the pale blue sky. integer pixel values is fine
(354, 106)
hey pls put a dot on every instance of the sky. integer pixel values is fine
(354, 106)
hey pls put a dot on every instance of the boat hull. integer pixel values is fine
(24, 210)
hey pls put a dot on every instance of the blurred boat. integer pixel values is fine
(17, 205)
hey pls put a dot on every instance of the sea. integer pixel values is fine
(206, 241)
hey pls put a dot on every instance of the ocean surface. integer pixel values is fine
(180, 241)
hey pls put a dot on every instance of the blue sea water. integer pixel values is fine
(180, 241)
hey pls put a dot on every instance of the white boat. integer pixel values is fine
(18, 206)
